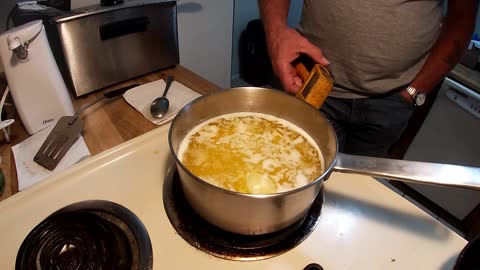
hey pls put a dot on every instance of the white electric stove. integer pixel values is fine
(362, 225)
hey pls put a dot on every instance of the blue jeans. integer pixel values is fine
(368, 126)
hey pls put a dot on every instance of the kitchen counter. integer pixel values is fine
(107, 124)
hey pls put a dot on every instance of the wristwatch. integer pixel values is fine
(418, 97)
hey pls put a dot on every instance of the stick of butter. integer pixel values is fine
(317, 84)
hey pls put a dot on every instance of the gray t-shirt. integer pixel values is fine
(374, 46)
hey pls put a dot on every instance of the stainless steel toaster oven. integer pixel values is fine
(101, 46)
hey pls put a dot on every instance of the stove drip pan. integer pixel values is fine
(226, 245)
(87, 235)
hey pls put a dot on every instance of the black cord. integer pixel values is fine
(10, 14)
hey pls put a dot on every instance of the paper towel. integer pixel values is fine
(29, 172)
(142, 96)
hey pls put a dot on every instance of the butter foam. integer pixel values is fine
(251, 153)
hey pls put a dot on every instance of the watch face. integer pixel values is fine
(420, 99)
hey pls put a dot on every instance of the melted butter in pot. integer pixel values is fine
(251, 153)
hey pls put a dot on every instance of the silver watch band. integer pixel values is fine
(417, 96)
(412, 91)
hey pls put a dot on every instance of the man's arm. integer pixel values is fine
(285, 44)
(451, 44)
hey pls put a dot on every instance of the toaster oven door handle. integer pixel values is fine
(123, 27)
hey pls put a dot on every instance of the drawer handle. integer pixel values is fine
(124, 27)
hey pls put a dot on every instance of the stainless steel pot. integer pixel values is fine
(251, 214)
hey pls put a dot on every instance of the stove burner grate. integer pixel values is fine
(87, 235)
(226, 245)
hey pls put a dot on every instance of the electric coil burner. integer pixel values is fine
(87, 235)
(226, 245)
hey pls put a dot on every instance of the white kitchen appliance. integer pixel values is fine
(38, 90)
(360, 223)
(450, 134)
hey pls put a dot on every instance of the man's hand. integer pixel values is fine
(285, 45)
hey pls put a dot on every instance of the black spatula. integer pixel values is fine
(66, 132)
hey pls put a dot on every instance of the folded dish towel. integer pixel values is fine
(142, 96)
(29, 172)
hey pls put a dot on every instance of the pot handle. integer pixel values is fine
(410, 171)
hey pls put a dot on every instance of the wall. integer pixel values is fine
(244, 11)
(247, 10)
(205, 38)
